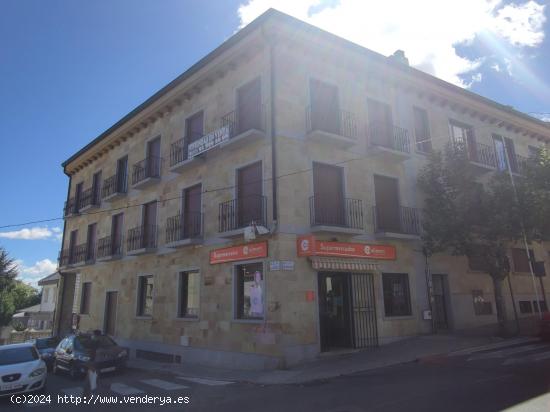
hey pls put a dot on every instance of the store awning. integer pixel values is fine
(343, 264)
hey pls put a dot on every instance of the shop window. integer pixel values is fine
(397, 299)
(249, 291)
(85, 298)
(188, 299)
(521, 263)
(525, 306)
(481, 306)
(145, 295)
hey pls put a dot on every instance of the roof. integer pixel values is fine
(303, 26)
(53, 278)
(35, 308)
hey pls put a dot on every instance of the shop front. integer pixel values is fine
(347, 297)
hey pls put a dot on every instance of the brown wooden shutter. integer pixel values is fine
(387, 204)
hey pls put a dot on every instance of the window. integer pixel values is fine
(422, 130)
(194, 127)
(145, 295)
(543, 307)
(85, 298)
(504, 148)
(96, 188)
(46, 295)
(525, 306)
(249, 291)
(90, 242)
(397, 299)
(188, 299)
(325, 107)
(463, 138)
(481, 306)
(521, 263)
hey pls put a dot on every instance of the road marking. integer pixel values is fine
(535, 357)
(75, 391)
(505, 352)
(494, 346)
(210, 382)
(168, 386)
(123, 389)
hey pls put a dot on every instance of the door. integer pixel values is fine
(96, 188)
(91, 241)
(249, 106)
(386, 195)
(153, 158)
(72, 245)
(110, 313)
(328, 203)
(511, 151)
(149, 225)
(334, 311)
(249, 195)
(192, 212)
(194, 130)
(380, 123)
(78, 196)
(116, 235)
(122, 174)
(325, 107)
(365, 327)
(439, 303)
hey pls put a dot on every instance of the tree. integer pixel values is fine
(479, 220)
(8, 269)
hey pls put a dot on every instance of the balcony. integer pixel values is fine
(70, 207)
(184, 229)
(483, 157)
(338, 128)
(141, 239)
(327, 216)
(234, 215)
(114, 187)
(389, 141)
(146, 172)
(109, 248)
(75, 256)
(179, 157)
(397, 222)
(89, 199)
(245, 126)
(519, 164)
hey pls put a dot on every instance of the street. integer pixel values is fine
(490, 378)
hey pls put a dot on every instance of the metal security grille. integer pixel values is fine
(365, 329)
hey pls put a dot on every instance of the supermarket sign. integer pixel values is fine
(236, 253)
(309, 246)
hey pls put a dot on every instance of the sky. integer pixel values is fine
(69, 69)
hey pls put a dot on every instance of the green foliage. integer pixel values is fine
(18, 326)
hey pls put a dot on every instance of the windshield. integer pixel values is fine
(46, 343)
(17, 355)
(85, 341)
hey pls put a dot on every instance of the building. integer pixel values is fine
(310, 145)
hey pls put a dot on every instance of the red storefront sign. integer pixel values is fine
(309, 246)
(242, 252)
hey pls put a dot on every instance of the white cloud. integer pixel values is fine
(28, 234)
(496, 67)
(32, 274)
(427, 30)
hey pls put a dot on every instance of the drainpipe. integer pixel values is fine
(513, 303)
(271, 42)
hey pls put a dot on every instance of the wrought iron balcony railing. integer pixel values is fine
(329, 212)
(243, 119)
(184, 226)
(142, 237)
(389, 136)
(238, 213)
(117, 183)
(150, 167)
(178, 152)
(340, 123)
(70, 207)
(89, 198)
(109, 246)
(397, 219)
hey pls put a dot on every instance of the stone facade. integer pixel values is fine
(286, 56)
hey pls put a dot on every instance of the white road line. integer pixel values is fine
(494, 346)
(123, 389)
(535, 357)
(159, 383)
(210, 382)
(75, 391)
(505, 352)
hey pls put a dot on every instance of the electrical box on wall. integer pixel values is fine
(427, 315)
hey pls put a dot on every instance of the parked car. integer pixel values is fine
(21, 369)
(545, 326)
(73, 354)
(46, 349)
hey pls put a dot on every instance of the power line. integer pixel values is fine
(207, 191)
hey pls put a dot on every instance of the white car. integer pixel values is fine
(21, 369)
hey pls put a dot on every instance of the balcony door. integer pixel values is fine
(194, 130)
(325, 107)
(121, 174)
(387, 213)
(380, 123)
(249, 106)
(149, 225)
(464, 137)
(96, 188)
(249, 194)
(116, 234)
(72, 245)
(192, 212)
(328, 195)
(78, 195)
(153, 158)
(111, 299)
(91, 242)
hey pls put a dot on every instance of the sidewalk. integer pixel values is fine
(329, 365)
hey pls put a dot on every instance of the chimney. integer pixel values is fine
(399, 56)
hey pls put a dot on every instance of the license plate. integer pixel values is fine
(110, 369)
(11, 387)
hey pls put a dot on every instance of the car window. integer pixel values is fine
(103, 341)
(18, 355)
(46, 343)
(63, 343)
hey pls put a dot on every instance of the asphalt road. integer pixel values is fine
(493, 379)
